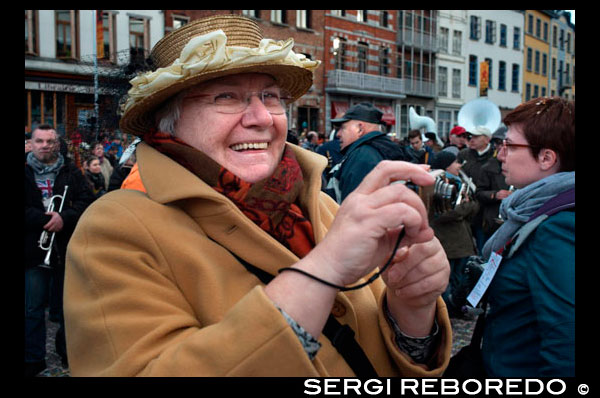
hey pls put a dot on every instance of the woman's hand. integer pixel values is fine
(417, 276)
(369, 220)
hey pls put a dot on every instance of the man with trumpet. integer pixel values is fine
(51, 213)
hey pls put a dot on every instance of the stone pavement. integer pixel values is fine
(462, 331)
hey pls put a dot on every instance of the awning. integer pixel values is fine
(388, 114)
(338, 109)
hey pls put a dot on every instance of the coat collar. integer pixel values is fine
(169, 183)
(183, 184)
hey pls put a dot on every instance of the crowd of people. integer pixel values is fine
(231, 223)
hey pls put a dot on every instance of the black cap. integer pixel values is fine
(364, 111)
(442, 160)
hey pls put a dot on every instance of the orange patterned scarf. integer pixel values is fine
(270, 203)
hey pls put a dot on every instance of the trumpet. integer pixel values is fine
(467, 190)
(46, 240)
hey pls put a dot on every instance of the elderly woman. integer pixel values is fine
(530, 325)
(163, 279)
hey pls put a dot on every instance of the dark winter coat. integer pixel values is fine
(362, 156)
(78, 198)
(490, 182)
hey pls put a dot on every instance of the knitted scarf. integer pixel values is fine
(518, 207)
(269, 203)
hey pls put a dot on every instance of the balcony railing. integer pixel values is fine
(418, 39)
(341, 80)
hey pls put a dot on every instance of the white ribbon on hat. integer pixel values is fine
(209, 52)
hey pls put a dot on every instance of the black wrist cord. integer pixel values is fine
(344, 288)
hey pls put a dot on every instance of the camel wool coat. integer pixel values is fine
(151, 288)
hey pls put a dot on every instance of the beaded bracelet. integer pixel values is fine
(344, 288)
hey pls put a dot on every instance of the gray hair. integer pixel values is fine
(168, 113)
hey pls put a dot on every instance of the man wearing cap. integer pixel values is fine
(363, 145)
(228, 259)
(473, 158)
(458, 138)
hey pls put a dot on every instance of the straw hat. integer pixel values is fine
(206, 49)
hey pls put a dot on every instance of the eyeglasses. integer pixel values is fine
(274, 100)
(505, 145)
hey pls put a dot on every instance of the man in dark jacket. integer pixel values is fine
(363, 146)
(473, 158)
(47, 173)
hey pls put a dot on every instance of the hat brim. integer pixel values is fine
(338, 121)
(139, 119)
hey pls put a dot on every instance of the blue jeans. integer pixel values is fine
(37, 284)
(42, 286)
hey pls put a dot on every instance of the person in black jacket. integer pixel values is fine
(363, 146)
(47, 173)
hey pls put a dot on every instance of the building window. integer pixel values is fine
(66, 34)
(109, 26)
(490, 32)
(554, 37)
(339, 53)
(569, 42)
(545, 31)
(529, 59)
(384, 61)
(138, 38)
(361, 15)
(443, 40)
(502, 76)
(473, 70)
(31, 32)
(384, 19)
(536, 91)
(442, 81)
(475, 28)
(517, 38)
(537, 62)
(503, 30)
(514, 86)
(456, 83)
(530, 24)
(538, 28)
(363, 49)
(457, 42)
(554, 68)
(278, 16)
(561, 40)
(251, 13)
(45, 107)
(179, 21)
(544, 64)
(303, 19)
(444, 122)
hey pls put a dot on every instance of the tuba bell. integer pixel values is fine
(417, 122)
(479, 112)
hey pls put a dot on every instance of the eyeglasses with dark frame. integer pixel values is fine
(274, 99)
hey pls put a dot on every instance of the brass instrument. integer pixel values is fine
(467, 190)
(46, 240)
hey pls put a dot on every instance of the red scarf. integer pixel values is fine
(269, 203)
